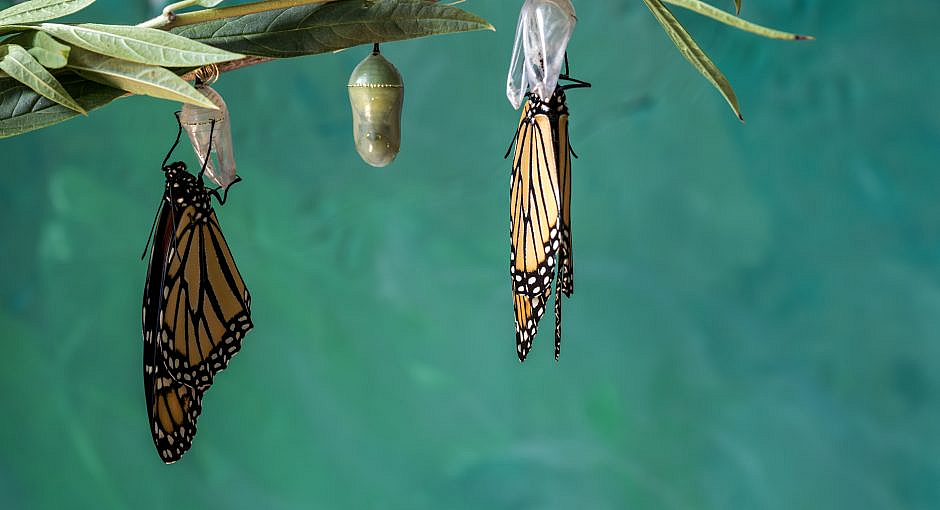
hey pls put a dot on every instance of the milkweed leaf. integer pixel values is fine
(137, 78)
(23, 67)
(140, 45)
(693, 53)
(23, 110)
(41, 10)
(734, 21)
(50, 53)
(320, 28)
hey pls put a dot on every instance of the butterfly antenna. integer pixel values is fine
(179, 134)
(175, 240)
(515, 137)
(174, 223)
(152, 229)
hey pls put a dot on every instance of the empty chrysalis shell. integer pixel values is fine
(376, 93)
(197, 122)
(545, 26)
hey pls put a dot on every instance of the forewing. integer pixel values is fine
(534, 215)
(208, 310)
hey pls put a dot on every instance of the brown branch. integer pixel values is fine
(231, 65)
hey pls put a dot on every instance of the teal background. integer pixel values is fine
(756, 322)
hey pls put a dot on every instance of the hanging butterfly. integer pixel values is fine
(540, 213)
(196, 307)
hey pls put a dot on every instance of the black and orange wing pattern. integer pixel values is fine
(565, 256)
(207, 313)
(196, 311)
(540, 217)
(565, 283)
(534, 219)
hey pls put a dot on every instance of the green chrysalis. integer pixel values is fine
(376, 94)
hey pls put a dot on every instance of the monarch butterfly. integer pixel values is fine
(196, 308)
(540, 214)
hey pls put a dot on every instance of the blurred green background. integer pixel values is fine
(756, 323)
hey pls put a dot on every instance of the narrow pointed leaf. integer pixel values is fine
(20, 65)
(141, 45)
(50, 53)
(734, 21)
(23, 110)
(737, 6)
(320, 28)
(41, 10)
(136, 78)
(693, 53)
(9, 29)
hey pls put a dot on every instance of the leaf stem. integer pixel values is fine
(168, 14)
(231, 65)
(169, 19)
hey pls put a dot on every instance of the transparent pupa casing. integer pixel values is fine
(376, 94)
(542, 36)
(197, 123)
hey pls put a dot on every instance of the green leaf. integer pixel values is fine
(734, 21)
(693, 53)
(20, 65)
(8, 29)
(319, 28)
(141, 45)
(23, 110)
(41, 10)
(737, 6)
(134, 77)
(50, 53)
